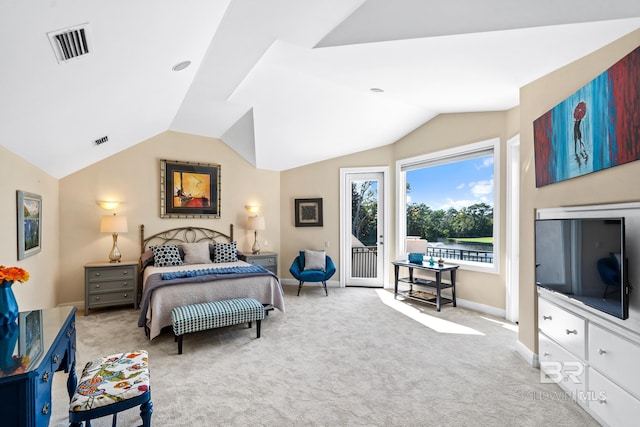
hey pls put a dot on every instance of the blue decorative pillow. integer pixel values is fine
(166, 255)
(225, 252)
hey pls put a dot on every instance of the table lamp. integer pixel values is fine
(255, 223)
(114, 224)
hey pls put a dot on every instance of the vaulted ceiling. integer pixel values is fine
(283, 82)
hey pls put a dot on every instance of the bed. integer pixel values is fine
(168, 283)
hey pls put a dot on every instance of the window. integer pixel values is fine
(450, 198)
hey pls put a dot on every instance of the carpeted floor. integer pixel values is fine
(355, 358)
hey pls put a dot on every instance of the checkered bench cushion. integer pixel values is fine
(110, 380)
(215, 314)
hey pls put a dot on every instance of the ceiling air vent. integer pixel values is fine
(71, 43)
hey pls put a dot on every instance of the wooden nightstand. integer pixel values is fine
(268, 260)
(107, 284)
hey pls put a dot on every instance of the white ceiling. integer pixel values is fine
(282, 82)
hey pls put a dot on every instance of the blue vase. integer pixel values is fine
(8, 304)
(416, 258)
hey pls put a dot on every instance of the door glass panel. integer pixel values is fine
(364, 228)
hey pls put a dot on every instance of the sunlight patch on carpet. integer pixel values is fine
(438, 325)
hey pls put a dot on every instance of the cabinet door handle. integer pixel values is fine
(68, 334)
(602, 351)
(125, 284)
(45, 377)
(56, 358)
(125, 295)
(569, 332)
(546, 317)
(97, 298)
(98, 285)
(125, 272)
(546, 354)
(97, 274)
(45, 409)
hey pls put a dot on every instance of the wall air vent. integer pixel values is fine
(101, 140)
(71, 43)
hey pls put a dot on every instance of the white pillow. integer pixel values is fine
(314, 260)
(196, 253)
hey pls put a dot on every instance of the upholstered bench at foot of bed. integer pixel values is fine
(110, 385)
(215, 314)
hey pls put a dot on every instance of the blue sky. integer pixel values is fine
(456, 185)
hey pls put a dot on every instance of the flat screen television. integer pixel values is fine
(584, 259)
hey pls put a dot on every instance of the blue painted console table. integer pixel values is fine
(43, 342)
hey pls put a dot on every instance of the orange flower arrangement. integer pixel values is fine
(13, 274)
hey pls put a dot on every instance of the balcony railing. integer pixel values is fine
(364, 261)
(460, 254)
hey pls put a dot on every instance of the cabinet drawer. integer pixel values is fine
(562, 367)
(265, 262)
(612, 404)
(123, 297)
(615, 357)
(115, 285)
(117, 272)
(564, 327)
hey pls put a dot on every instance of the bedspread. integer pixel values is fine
(159, 298)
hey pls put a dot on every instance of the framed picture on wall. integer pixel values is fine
(29, 207)
(189, 190)
(308, 212)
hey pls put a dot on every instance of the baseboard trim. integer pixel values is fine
(529, 356)
(78, 304)
(482, 308)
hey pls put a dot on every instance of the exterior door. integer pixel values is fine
(363, 252)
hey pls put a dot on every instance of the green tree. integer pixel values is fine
(364, 212)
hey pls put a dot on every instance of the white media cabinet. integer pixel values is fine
(594, 357)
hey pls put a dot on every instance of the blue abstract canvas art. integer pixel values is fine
(595, 128)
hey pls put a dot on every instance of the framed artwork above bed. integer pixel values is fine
(189, 190)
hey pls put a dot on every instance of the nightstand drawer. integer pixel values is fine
(268, 260)
(108, 273)
(108, 284)
(116, 285)
(265, 262)
(109, 298)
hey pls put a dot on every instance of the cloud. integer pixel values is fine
(481, 188)
(486, 163)
(460, 187)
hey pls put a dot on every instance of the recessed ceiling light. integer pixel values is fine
(376, 90)
(181, 65)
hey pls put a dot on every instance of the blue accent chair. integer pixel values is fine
(298, 271)
(609, 270)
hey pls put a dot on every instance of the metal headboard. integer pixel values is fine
(184, 235)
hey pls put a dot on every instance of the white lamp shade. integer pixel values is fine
(113, 224)
(416, 246)
(255, 223)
